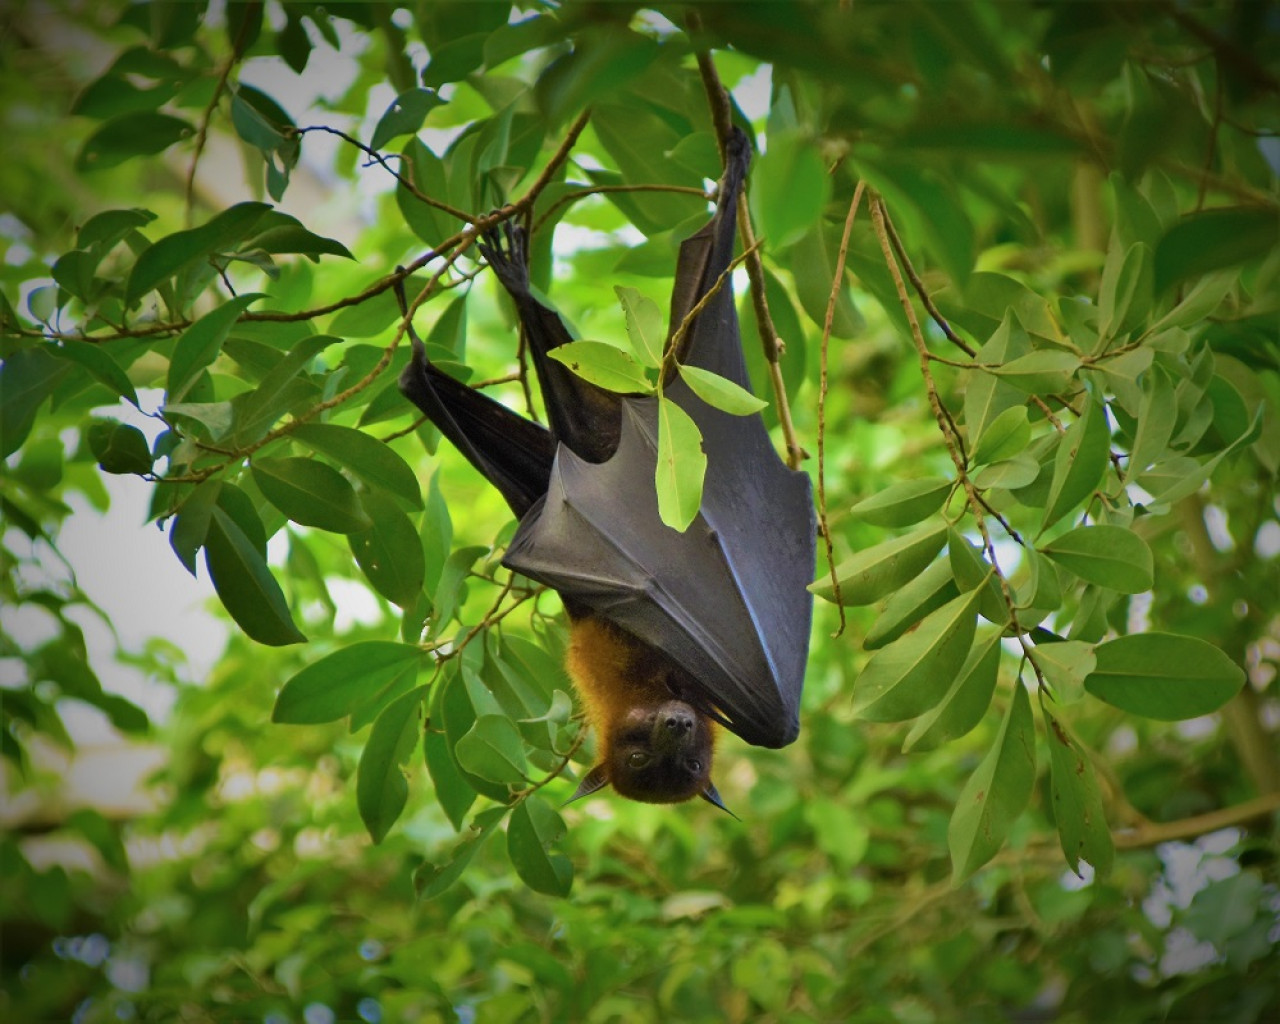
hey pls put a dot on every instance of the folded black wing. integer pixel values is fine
(727, 599)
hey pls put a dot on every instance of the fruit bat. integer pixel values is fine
(670, 632)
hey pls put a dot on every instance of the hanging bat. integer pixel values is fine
(670, 631)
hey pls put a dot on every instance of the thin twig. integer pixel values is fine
(202, 133)
(925, 299)
(879, 216)
(374, 155)
(837, 282)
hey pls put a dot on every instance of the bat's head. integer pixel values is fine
(654, 746)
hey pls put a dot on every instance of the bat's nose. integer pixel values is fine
(678, 722)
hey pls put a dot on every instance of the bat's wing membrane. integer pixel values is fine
(725, 600)
(513, 453)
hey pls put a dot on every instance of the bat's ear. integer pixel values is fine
(712, 797)
(594, 780)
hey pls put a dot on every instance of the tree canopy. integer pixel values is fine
(1009, 290)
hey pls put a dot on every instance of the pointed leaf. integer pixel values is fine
(913, 673)
(245, 585)
(644, 325)
(381, 787)
(682, 466)
(310, 493)
(493, 750)
(720, 392)
(1079, 463)
(986, 396)
(175, 253)
(389, 552)
(534, 829)
(1077, 800)
(871, 574)
(200, 344)
(604, 365)
(1006, 436)
(374, 462)
(996, 793)
(1046, 371)
(904, 503)
(964, 704)
(909, 604)
(337, 684)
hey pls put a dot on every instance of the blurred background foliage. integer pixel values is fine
(170, 853)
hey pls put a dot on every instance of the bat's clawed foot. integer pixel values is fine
(505, 248)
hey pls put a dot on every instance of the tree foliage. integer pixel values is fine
(1011, 296)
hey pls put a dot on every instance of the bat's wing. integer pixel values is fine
(513, 453)
(727, 599)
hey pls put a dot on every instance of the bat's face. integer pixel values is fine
(660, 754)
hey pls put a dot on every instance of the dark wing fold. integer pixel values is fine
(513, 453)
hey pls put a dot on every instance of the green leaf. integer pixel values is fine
(389, 552)
(788, 189)
(404, 116)
(1163, 676)
(911, 675)
(534, 829)
(493, 750)
(191, 524)
(100, 366)
(1200, 302)
(142, 133)
(910, 603)
(1046, 371)
(1065, 666)
(682, 466)
(337, 684)
(200, 344)
(973, 572)
(1043, 590)
(965, 702)
(381, 787)
(27, 378)
(1010, 474)
(119, 448)
(1210, 240)
(369, 459)
(1079, 463)
(431, 880)
(245, 585)
(310, 493)
(1077, 800)
(996, 793)
(986, 395)
(448, 783)
(1157, 415)
(720, 392)
(604, 365)
(904, 503)
(1110, 556)
(1126, 291)
(871, 574)
(1004, 437)
(174, 253)
(644, 325)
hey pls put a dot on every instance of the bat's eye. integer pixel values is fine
(695, 766)
(638, 759)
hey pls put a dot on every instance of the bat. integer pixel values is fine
(672, 633)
